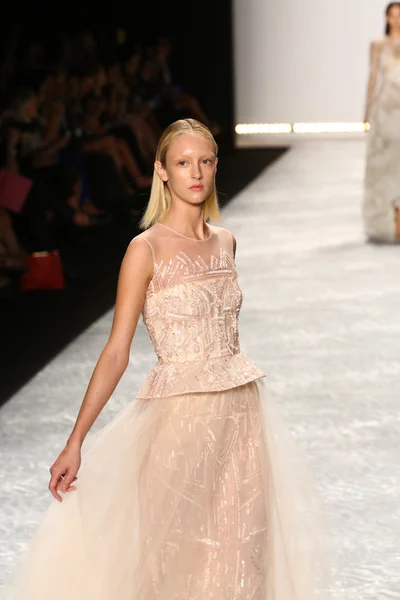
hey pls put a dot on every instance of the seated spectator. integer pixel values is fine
(152, 96)
(96, 137)
(33, 149)
(125, 106)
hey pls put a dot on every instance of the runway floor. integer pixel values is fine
(320, 317)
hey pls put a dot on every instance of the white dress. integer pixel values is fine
(382, 178)
(194, 491)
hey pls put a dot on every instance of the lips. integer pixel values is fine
(197, 187)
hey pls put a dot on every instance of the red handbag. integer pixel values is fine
(44, 272)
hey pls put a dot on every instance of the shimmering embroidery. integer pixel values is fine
(191, 312)
(214, 527)
(182, 267)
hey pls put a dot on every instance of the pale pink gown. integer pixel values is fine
(195, 490)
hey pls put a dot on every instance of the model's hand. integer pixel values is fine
(64, 471)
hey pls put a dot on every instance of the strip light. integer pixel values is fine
(328, 127)
(257, 128)
(250, 128)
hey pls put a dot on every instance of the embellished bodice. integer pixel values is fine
(191, 312)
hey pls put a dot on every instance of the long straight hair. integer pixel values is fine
(160, 196)
(388, 9)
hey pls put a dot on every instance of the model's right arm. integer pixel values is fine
(135, 274)
(375, 51)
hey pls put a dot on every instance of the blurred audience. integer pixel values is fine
(79, 135)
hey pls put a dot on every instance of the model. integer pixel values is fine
(193, 491)
(382, 180)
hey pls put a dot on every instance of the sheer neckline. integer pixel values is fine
(392, 40)
(186, 236)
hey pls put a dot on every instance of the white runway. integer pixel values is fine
(321, 316)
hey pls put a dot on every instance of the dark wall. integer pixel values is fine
(204, 55)
(201, 36)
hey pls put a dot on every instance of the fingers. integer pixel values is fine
(61, 482)
(72, 487)
(55, 477)
(68, 478)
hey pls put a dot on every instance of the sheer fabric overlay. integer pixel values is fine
(192, 495)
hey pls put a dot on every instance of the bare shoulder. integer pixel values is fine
(140, 244)
(221, 231)
(139, 255)
(225, 234)
(378, 43)
(148, 237)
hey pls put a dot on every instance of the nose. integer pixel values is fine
(196, 172)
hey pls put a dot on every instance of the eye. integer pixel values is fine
(182, 163)
(207, 161)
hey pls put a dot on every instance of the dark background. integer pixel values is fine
(201, 35)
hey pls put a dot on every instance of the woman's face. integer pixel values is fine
(190, 168)
(393, 18)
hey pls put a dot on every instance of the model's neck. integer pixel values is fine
(185, 218)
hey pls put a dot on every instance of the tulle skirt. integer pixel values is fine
(189, 497)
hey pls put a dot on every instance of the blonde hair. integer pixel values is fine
(160, 197)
